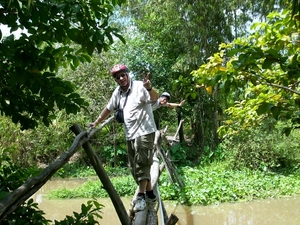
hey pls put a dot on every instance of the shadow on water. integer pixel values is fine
(284, 211)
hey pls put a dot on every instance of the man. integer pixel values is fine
(163, 101)
(135, 98)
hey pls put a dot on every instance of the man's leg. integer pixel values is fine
(150, 196)
(143, 185)
(143, 148)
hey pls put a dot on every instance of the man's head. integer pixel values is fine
(120, 73)
(164, 98)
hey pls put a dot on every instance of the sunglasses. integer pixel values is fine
(121, 75)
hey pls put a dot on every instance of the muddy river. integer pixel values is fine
(284, 211)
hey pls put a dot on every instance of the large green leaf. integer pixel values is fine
(264, 108)
(267, 63)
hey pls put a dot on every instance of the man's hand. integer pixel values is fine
(146, 81)
(92, 125)
(181, 103)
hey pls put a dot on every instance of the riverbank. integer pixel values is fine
(208, 185)
(263, 212)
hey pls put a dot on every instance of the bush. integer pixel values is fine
(263, 149)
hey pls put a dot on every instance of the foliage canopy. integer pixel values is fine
(262, 70)
(29, 87)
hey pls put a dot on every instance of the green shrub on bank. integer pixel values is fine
(75, 170)
(216, 184)
(38, 147)
(264, 148)
(125, 186)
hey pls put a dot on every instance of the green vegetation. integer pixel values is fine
(239, 140)
(204, 185)
(90, 215)
(125, 186)
(262, 71)
(265, 166)
(55, 34)
(27, 213)
(216, 184)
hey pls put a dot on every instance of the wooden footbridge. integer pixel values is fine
(149, 216)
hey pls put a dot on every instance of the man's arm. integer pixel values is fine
(103, 115)
(153, 94)
(147, 84)
(174, 105)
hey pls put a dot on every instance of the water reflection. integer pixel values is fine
(284, 211)
(264, 212)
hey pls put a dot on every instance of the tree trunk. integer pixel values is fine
(215, 119)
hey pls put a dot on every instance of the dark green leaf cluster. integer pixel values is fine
(29, 88)
(12, 176)
(27, 213)
(90, 215)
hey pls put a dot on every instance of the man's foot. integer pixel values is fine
(151, 202)
(139, 204)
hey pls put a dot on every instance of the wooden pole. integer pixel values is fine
(172, 220)
(180, 123)
(118, 204)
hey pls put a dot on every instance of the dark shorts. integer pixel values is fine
(140, 156)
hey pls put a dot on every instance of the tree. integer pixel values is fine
(265, 67)
(184, 35)
(29, 88)
(295, 4)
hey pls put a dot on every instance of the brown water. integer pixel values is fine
(285, 211)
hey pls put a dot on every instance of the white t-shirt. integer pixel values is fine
(138, 115)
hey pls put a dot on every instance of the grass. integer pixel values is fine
(214, 184)
(204, 185)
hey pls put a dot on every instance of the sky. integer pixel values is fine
(5, 31)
